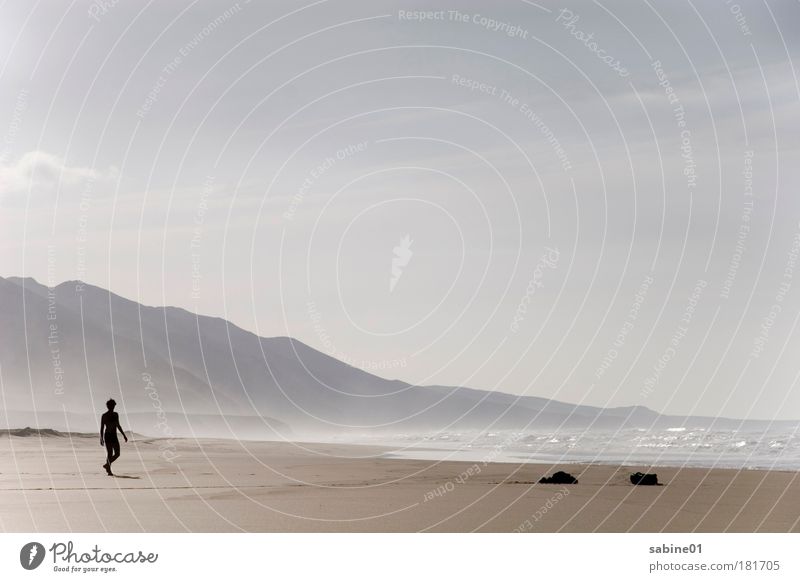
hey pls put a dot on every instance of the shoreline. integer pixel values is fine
(601, 463)
(394, 452)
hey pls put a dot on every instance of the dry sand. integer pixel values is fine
(56, 484)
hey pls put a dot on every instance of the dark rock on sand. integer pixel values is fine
(560, 478)
(644, 479)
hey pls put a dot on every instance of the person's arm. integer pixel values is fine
(102, 428)
(119, 426)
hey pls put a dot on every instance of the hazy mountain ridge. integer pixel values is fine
(197, 375)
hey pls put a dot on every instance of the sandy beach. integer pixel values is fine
(56, 484)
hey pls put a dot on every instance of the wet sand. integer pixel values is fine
(56, 484)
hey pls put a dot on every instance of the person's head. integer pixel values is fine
(111, 404)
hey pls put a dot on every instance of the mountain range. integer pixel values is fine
(65, 350)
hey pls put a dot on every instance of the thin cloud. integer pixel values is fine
(42, 172)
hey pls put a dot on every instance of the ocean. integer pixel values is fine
(673, 447)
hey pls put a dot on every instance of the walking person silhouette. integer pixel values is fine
(109, 423)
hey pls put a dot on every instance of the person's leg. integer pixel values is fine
(109, 454)
(115, 450)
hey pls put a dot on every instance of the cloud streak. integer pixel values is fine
(40, 173)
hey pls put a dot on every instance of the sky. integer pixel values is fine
(590, 201)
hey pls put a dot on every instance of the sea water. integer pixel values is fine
(678, 446)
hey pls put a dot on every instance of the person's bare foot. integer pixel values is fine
(108, 469)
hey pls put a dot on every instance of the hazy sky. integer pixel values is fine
(591, 201)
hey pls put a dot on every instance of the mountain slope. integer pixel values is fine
(64, 351)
